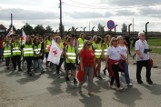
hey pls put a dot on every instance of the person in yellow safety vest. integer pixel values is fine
(70, 60)
(38, 51)
(16, 54)
(80, 42)
(105, 46)
(28, 53)
(94, 42)
(7, 52)
(60, 43)
(47, 48)
(98, 55)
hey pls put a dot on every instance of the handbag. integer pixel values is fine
(151, 62)
(80, 74)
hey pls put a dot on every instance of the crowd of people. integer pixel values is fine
(86, 53)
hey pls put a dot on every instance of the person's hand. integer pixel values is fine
(127, 62)
(141, 56)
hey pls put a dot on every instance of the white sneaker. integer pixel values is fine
(130, 84)
(120, 88)
(113, 87)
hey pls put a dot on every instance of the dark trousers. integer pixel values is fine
(139, 66)
(47, 53)
(29, 63)
(115, 68)
(129, 48)
(7, 61)
(16, 60)
(59, 66)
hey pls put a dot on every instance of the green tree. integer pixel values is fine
(124, 27)
(28, 29)
(48, 29)
(39, 29)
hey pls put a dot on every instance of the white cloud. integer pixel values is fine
(81, 13)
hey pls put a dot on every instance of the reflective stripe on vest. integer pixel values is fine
(71, 54)
(81, 43)
(7, 52)
(37, 49)
(98, 51)
(28, 51)
(16, 49)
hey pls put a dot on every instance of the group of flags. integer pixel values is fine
(23, 36)
(55, 50)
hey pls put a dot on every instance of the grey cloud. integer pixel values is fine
(20, 14)
(131, 2)
(85, 15)
(150, 12)
(125, 13)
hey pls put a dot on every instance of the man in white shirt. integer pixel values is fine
(142, 58)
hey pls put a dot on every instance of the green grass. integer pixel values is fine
(154, 42)
(156, 50)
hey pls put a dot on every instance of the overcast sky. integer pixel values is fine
(80, 13)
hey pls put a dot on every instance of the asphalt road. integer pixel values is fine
(20, 90)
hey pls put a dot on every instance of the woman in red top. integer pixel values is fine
(87, 61)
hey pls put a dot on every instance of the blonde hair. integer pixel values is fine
(113, 38)
(119, 37)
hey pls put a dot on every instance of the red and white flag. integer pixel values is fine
(11, 32)
(23, 37)
(55, 53)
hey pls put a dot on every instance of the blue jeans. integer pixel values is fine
(38, 65)
(126, 71)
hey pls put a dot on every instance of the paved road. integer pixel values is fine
(19, 90)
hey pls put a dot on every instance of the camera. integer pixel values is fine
(147, 50)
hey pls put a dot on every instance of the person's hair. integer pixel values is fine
(85, 43)
(70, 39)
(81, 35)
(98, 39)
(141, 33)
(112, 39)
(119, 37)
(57, 37)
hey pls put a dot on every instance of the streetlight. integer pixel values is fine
(146, 30)
(129, 28)
(84, 29)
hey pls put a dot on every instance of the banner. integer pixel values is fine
(55, 53)
(23, 37)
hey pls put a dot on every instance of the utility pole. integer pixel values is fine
(61, 25)
(11, 20)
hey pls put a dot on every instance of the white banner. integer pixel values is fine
(55, 53)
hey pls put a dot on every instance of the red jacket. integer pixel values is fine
(110, 63)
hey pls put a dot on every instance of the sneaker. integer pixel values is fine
(42, 72)
(130, 84)
(113, 87)
(140, 82)
(150, 82)
(67, 78)
(90, 94)
(58, 75)
(20, 70)
(75, 81)
(99, 77)
(120, 88)
(104, 72)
